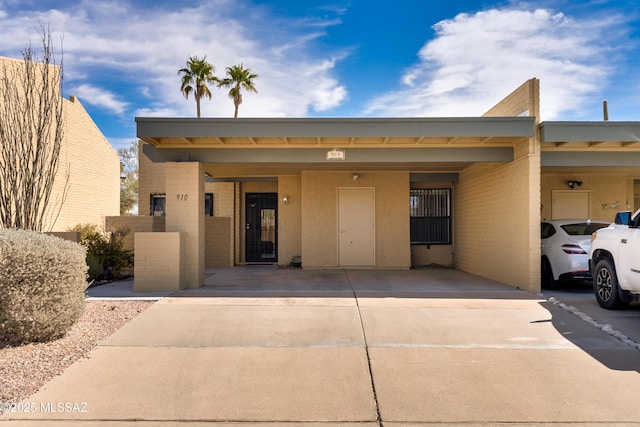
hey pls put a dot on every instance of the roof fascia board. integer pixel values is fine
(589, 131)
(153, 127)
(590, 158)
(319, 155)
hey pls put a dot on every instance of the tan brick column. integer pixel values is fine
(184, 188)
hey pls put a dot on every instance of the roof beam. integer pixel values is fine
(319, 155)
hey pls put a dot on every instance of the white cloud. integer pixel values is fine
(98, 97)
(476, 59)
(142, 48)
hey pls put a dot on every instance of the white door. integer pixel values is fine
(356, 227)
(572, 204)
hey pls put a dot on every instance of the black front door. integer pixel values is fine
(261, 227)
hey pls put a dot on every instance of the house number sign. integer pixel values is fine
(182, 197)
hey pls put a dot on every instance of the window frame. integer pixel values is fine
(210, 211)
(431, 208)
(152, 204)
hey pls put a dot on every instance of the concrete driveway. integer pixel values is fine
(265, 346)
(580, 299)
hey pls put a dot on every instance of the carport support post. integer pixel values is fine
(184, 186)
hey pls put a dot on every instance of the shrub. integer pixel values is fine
(106, 255)
(42, 284)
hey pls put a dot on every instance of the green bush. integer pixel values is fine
(42, 284)
(106, 255)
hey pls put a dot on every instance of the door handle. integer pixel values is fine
(248, 226)
(623, 241)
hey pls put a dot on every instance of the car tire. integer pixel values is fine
(605, 286)
(547, 281)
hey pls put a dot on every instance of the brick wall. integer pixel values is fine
(87, 184)
(93, 167)
(497, 217)
(150, 180)
(160, 262)
(496, 226)
(217, 245)
(135, 224)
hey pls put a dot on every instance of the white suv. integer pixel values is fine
(614, 261)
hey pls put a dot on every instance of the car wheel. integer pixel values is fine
(547, 280)
(605, 286)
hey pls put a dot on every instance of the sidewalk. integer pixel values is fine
(260, 346)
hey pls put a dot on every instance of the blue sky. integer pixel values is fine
(352, 58)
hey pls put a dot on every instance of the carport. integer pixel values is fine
(589, 169)
(343, 193)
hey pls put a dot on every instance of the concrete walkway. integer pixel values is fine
(348, 348)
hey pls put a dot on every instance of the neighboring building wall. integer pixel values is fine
(319, 217)
(87, 185)
(93, 166)
(605, 191)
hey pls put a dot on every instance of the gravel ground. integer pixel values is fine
(25, 369)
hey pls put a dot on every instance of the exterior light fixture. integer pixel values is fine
(355, 176)
(285, 200)
(574, 184)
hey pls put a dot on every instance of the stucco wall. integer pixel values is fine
(605, 191)
(319, 217)
(289, 218)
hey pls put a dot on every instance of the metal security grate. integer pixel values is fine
(430, 216)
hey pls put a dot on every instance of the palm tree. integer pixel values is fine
(237, 78)
(195, 78)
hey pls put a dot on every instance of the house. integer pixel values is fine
(387, 193)
(86, 189)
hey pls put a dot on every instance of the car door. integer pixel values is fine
(628, 268)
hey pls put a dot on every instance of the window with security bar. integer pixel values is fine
(430, 216)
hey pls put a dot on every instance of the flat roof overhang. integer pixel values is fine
(335, 132)
(590, 147)
(592, 135)
(272, 146)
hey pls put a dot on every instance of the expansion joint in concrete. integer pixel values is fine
(366, 349)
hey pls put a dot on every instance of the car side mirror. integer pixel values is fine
(623, 218)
